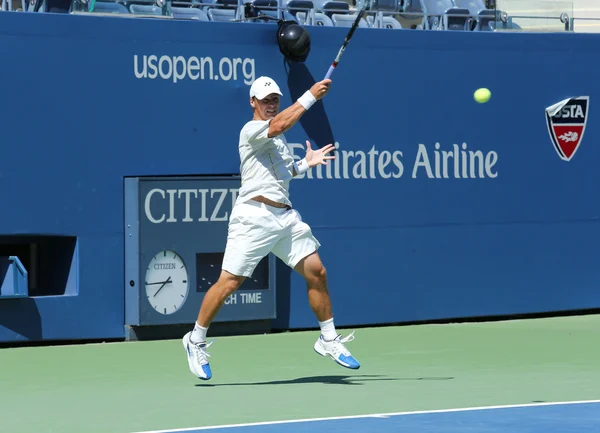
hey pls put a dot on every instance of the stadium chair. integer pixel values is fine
(189, 14)
(206, 5)
(108, 7)
(227, 4)
(320, 19)
(383, 22)
(382, 10)
(145, 9)
(330, 7)
(294, 6)
(222, 15)
(265, 17)
(234, 10)
(385, 5)
(346, 20)
(265, 5)
(270, 8)
(203, 5)
(411, 15)
(484, 18)
(443, 15)
(49, 6)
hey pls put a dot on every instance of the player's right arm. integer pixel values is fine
(288, 117)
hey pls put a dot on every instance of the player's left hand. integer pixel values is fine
(319, 156)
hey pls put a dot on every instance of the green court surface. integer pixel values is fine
(141, 386)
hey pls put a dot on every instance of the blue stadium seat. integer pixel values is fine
(204, 5)
(268, 17)
(227, 4)
(320, 19)
(294, 6)
(268, 5)
(222, 15)
(330, 7)
(145, 9)
(383, 22)
(384, 5)
(207, 5)
(485, 18)
(346, 20)
(383, 9)
(189, 13)
(224, 10)
(275, 14)
(108, 7)
(443, 15)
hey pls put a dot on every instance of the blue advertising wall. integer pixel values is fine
(89, 101)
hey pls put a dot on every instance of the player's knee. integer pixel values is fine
(230, 283)
(318, 275)
(322, 273)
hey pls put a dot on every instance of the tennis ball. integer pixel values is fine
(482, 95)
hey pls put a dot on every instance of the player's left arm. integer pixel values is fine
(313, 158)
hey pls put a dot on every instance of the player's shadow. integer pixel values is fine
(328, 380)
(314, 122)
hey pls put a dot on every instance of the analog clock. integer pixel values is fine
(167, 282)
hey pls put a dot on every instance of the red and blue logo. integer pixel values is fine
(566, 122)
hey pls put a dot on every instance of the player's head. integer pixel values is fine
(264, 98)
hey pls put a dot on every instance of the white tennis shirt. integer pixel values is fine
(266, 164)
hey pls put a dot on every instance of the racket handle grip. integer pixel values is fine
(329, 72)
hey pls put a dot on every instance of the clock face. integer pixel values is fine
(166, 282)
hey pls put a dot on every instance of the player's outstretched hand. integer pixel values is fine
(321, 88)
(319, 156)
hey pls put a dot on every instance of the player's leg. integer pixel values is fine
(251, 234)
(215, 298)
(213, 302)
(299, 250)
(312, 270)
(329, 343)
(194, 341)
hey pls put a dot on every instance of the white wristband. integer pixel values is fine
(307, 100)
(301, 166)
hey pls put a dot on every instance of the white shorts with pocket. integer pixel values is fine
(257, 229)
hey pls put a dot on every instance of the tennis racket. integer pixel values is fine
(362, 8)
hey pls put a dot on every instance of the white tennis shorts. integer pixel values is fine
(257, 229)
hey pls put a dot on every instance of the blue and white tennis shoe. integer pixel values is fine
(197, 357)
(336, 350)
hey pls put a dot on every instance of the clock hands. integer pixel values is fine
(158, 282)
(164, 283)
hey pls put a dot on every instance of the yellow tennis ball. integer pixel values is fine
(482, 95)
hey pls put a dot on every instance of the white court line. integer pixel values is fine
(374, 415)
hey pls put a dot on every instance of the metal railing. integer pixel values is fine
(535, 15)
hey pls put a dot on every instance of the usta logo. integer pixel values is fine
(566, 122)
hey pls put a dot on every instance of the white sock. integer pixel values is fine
(328, 330)
(198, 334)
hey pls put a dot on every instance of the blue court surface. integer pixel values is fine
(560, 417)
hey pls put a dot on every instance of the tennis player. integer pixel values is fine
(263, 221)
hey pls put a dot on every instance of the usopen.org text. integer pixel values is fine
(178, 68)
